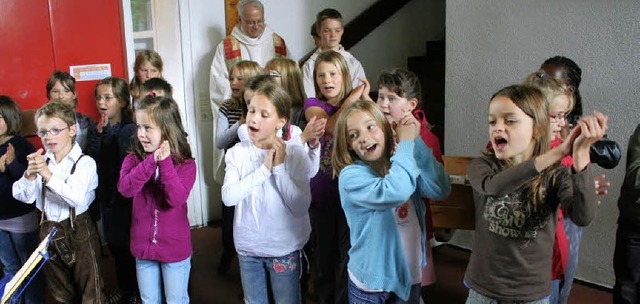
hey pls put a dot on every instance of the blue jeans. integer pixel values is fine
(283, 273)
(359, 296)
(560, 289)
(15, 249)
(153, 275)
(476, 298)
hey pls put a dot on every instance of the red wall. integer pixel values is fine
(40, 36)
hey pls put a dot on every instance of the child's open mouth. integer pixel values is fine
(499, 143)
(371, 148)
(253, 129)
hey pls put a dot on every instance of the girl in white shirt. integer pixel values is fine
(268, 182)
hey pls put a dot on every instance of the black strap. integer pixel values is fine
(72, 210)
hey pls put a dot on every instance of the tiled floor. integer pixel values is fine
(207, 287)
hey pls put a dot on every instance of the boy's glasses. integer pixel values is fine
(53, 132)
(104, 97)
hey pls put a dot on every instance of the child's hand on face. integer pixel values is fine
(313, 131)
(104, 120)
(280, 149)
(162, 152)
(407, 128)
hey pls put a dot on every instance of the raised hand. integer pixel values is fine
(7, 158)
(366, 90)
(268, 158)
(592, 129)
(36, 164)
(163, 151)
(356, 94)
(280, 148)
(407, 128)
(104, 121)
(313, 131)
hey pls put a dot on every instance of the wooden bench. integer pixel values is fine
(28, 128)
(457, 211)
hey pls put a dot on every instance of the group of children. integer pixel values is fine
(132, 171)
(324, 174)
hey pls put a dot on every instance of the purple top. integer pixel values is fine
(159, 227)
(324, 188)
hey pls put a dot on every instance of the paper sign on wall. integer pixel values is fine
(90, 71)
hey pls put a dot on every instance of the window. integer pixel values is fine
(144, 34)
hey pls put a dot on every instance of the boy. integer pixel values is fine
(62, 182)
(329, 28)
(158, 86)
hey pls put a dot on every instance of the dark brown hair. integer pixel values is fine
(11, 113)
(120, 90)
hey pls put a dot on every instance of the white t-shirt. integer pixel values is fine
(409, 229)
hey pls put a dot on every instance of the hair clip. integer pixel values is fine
(543, 75)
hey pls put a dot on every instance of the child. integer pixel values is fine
(330, 29)
(61, 86)
(381, 195)
(268, 182)
(518, 187)
(158, 86)
(18, 221)
(399, 94)
(62, 183)
(159, 175)
(288, 75)
(226, 137)
(331, 233)
(148, 65)
(108, 145)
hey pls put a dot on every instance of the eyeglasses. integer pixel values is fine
(53, 132)
(104, 97)
(558, 117)
(274, 74)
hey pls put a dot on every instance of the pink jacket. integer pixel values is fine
(159, 226)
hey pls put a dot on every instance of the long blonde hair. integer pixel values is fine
(291, 78)
(247, 69)
(342, 156)
(549, 86)
(336, 59)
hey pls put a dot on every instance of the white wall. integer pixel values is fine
(203, 27)
(491, 44)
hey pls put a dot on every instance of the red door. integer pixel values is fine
(40, 36)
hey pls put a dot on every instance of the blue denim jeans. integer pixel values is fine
(283, 273)
(560, 289)
(15, 249)
(476, 298)
(154, 275)
(359, 296)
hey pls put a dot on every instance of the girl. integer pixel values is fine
(159, 174)
(605, 153)
(381, 195)
(61, 86)
(226, 137)
(18, 221)
(148, 65)
(288, 75)
(331, 233)
(267, 180)
(108, 145)
(518, 187)
(399, 94)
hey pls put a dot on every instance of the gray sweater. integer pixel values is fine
(511, 258)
